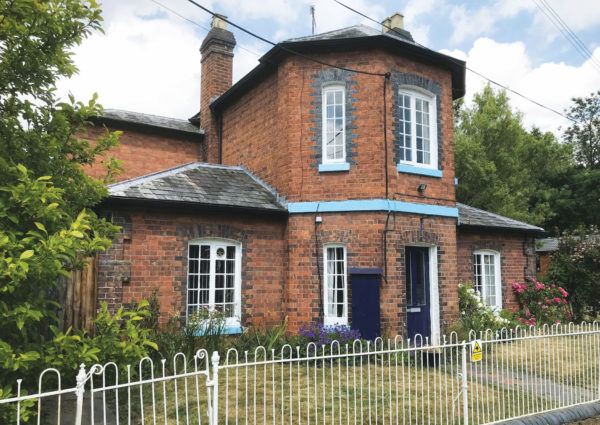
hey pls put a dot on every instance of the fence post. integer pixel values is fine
(79, 391)
(215, 406)
(465, 398)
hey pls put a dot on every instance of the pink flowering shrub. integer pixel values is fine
(541, 303)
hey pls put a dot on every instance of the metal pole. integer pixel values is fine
(79, 391)
(215, 406)
(465, 398)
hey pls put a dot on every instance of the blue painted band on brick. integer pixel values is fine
(404, 168)
(371, 205)
(327, 168)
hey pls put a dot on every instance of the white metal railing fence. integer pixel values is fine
(523, 371)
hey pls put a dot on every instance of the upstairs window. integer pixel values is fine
(417, 129)
(334, 124)
(336, 290)
(214, 278)
(486, 265)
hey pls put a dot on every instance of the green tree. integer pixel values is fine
(502, 167)
(46, 225)
(584, 133)
(574, 199)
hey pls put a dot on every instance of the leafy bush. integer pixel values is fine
(270, 337)
(476, 315)
(120, 338)
(204, 329)
(541, 303)
(576, 266)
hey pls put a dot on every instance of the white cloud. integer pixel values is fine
(551, 84)
(472, 22)
(140, 64)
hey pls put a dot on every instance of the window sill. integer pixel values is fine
(330, 168)
(227, 330)
(411, 169)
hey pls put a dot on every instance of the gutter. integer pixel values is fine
(112, 200)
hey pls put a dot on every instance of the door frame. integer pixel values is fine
(434, 293)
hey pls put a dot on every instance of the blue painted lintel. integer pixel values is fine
(372, 205)
(411, 169)
(328, 168)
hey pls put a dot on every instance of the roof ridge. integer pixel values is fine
(126, 184)
(281, 200)
(339, 30)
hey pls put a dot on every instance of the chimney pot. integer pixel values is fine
(218, 21)
(393, 22)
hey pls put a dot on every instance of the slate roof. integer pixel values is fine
(200, 184)
(356, 31)
(546, 244)
(156, 121)
(474, 217)
(357, 37)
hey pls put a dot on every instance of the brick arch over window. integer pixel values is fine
(208, 231)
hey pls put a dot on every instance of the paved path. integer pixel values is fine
(68, 406)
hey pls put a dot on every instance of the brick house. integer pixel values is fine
(309, 190)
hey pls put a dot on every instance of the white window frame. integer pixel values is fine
(334, 320)
(333, 87)
(418, 93)
(497, 276)
(237, 285)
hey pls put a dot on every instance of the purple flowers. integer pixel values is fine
(320, 334)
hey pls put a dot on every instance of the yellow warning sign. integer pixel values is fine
(476, 353)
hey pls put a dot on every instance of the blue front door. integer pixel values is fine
(418, 319)
(365, 301)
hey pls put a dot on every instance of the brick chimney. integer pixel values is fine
(216, 79)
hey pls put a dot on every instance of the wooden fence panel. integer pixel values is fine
(78, 297)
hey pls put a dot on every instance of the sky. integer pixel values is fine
(148, 58)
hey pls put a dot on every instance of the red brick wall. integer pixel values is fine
(517, 255)
(217, 74)
(362, 234)
(269, 131)
(151, 252)
(147, 152)
(544, 263)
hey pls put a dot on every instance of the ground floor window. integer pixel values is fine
(486, 265)
(336, 288)
(214, 278)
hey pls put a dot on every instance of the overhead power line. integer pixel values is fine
(571, 37)
(468, 69)
(293, 52)
(197, 24)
